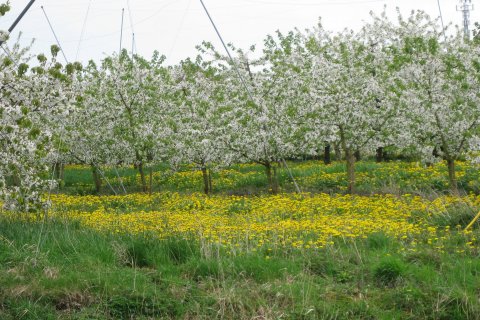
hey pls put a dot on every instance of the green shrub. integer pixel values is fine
(137, 254)
(426, 257)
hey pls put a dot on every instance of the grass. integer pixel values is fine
(57, 268)
(312, 176)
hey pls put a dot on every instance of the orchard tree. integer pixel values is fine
(90, 136)
(344, 93)
(263, 125)
(57, 121)
(436, 80)
(30, 99)
(198, 118)
(133, 93)
(441, 83)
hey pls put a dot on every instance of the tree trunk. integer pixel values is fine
(142, 176)
(58, 170)
(380, 155)
(338, 152)
(350, 155)
(435, 152)
(14, 180)
(97, 180)
(452, 179)
(268, 171)
(272, 178)
(150, 182)
(358, 155)
(327, 159)
(206, 183)
(61, 174)
(276, 186)
(210, 184)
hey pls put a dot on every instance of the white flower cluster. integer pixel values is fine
(397, 85)
(29, 105)
(4, 35)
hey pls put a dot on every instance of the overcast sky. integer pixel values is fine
(175, 27)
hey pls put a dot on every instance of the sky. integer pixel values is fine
(90, 29)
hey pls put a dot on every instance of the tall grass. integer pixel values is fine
(59, 270)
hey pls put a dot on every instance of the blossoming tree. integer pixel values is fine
(30, 98)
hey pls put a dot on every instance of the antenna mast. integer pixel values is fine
(465, 7)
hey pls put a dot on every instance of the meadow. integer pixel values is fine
(395, 177)
(396, 250)
(127, 229)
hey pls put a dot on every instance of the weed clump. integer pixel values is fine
(389, 272)
(378, 241)
(132, 307)
(456, 215)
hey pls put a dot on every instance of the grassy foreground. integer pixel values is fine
(108, 258)
(61, 270)
(244, 254)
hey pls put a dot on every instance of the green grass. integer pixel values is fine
(59, 270)
(312, 176)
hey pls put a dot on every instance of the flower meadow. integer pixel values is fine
(242, 252)
(273, 222)
(133, 189)
(241, 224)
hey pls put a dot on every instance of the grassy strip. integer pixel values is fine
(60, 269)
(312, 176)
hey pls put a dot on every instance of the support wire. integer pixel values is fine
(54, 34)
(82, 34)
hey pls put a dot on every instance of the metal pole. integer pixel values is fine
(83, 29)
(131, 26)
(19, 18)
(242, 80)
(121, 32)
(133, 44)
(247, 89)
(441, 19)
(473, 222)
